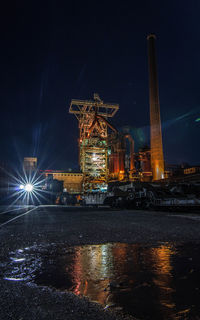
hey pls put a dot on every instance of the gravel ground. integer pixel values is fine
(78, 226)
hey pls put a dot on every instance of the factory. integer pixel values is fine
(115, 169)
(107, 155)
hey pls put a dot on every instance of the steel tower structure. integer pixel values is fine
(93, 146)
(157, 160)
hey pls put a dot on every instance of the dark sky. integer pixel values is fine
(53, 51)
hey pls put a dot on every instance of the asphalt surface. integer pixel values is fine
(78, 226)
(11, 212)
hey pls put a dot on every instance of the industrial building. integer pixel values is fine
(107, 155)
(192, 170)
(93, 123)
(72, 181)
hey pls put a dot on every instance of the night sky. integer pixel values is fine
(53, 51)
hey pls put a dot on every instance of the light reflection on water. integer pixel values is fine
(149, 282)
(141, 280)
(118, 274)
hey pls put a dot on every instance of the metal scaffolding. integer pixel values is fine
(93, 125)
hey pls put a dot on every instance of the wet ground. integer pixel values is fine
(148, 282)
(144, 265)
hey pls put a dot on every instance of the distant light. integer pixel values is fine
(197, 120)
(28, 187)
(104, 188)
(21, 186)
(94, 157)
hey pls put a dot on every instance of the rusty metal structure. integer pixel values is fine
(144, 159)
(93, 121)
(157, 160)
(119, 167)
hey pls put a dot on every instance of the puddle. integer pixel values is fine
(148, 282)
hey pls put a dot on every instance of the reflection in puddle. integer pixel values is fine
(160, 282)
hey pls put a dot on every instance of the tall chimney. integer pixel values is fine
(157, 161)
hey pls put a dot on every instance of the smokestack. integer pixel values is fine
(157, 161)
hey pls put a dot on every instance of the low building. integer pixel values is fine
(72, 181)
(192, 170)
(30, 164)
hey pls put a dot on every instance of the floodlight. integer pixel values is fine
(28, 187)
